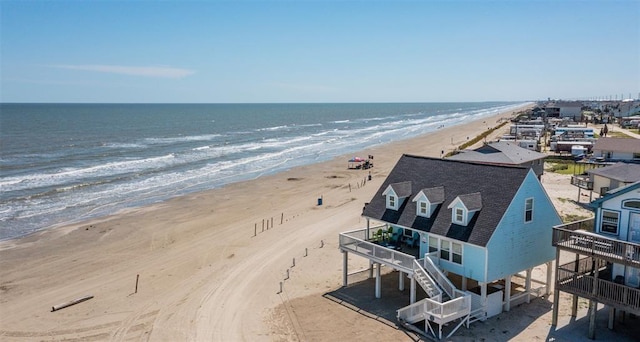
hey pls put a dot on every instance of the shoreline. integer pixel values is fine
(75, 223)
(207, 269)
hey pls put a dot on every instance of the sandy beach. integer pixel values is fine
(208, 266)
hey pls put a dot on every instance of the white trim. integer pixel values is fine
(427, 208)
(601, 215)
(450, 250)
(532, 209)
(464, 214)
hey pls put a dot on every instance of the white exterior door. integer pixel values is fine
(634, 227)
(632, 278)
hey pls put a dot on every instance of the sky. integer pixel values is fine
(317, 51)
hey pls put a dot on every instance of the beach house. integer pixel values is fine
(607, 178)
(605, 253)
(504, 153)
(564, 109)
(617, 149)
(468, 234)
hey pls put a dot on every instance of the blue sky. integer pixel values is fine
(317, 51)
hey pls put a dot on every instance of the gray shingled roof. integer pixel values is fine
(472, 201)
(402, 189)
(621, 172)
(502, 152)
(496, 184)
(434, 195)
(617, 145)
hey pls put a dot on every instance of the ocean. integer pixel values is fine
(63, 163)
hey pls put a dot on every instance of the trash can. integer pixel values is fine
(319, 200)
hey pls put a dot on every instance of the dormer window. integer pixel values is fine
(464, 207)
(396, 193)
(423, 208)
(459, 216)
(427, 200)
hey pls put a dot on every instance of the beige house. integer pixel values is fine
(607, 178)
(617, 149)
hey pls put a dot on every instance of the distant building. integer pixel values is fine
(504, 153)
(564, 109)
(617, 149)
(608, 178)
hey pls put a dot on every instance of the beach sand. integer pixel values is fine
(201, 274)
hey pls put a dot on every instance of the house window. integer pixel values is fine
(392, 201)
(407, 232)
(456, 253)
(631, 204)
(459, 215)
(609, 222)
(433, 244)
(445, 247)
(528, 210)
(422, 208)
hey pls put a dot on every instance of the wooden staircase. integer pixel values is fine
(445, 303)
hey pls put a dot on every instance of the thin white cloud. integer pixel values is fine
(153, 71)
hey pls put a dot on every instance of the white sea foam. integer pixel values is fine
(157, 168)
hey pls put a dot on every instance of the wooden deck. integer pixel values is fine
(583, 277)
(578, 237)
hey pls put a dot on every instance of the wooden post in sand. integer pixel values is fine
(305, 252)
(255, 229)
(137, 278)
(271, 221)
(294, 262)
(263, 225)
(281, 218)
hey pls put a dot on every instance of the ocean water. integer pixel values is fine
(63, 163)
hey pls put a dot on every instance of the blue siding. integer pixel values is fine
(473, 263)
(473, 260)
(515, 245)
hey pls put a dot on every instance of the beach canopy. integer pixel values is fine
(356, 160)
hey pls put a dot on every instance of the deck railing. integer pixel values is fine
(578, 237)
(440, 313)
(582, 182)
(620, 296)
(584, 265)
(354, 241)
(442, 280)
(413, 313)
(427, 282)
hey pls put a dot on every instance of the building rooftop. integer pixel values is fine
(502, 152)
(617, 145)
(495, 185)
(621, 172)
